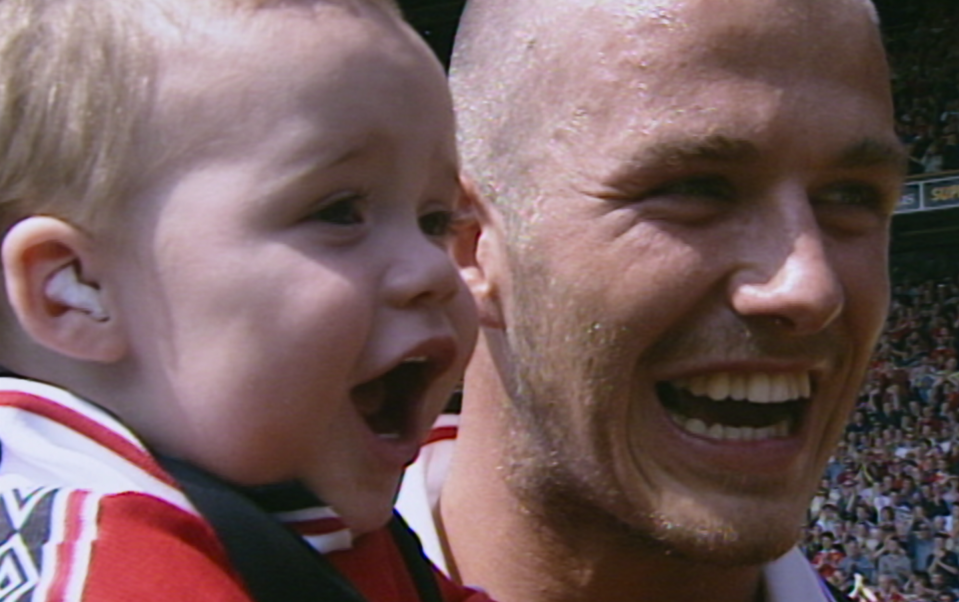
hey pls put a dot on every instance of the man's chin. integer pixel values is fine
(751, 533)
(721, 543)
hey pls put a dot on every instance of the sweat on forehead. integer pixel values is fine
(76, 78)
(518, 66)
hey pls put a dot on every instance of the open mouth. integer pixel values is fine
(737, 407)
(389, 404)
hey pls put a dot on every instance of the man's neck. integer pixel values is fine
(517, 554)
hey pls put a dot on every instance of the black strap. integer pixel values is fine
(421, 571)
(275, 563)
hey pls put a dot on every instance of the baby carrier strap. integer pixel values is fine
(276, 564)
(420, 569)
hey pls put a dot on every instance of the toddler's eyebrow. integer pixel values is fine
(346, 156)
(330, 150)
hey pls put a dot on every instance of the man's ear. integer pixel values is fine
(479, 253)
(50, 270)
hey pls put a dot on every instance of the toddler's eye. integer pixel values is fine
(345, 211)
(437, 223)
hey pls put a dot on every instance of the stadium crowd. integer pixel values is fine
(885, 523)
(924, 53)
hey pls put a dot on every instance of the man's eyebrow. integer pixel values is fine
(674, 154)
(870, 152)
(717, 148)
(866, 153)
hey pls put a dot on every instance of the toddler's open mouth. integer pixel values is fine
(389, 403)
(393, 403)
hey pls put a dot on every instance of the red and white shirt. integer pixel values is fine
(87, 514)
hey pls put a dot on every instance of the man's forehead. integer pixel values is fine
(514, 39)
(698, 26)
(676, 13)
(660, 54)
(575, 48)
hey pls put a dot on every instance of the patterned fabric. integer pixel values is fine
(63, 541)
(25, 528)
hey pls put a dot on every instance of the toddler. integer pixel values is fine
(228, 297)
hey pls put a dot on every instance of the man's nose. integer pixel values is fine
(789, 279)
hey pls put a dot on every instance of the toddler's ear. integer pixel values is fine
(49, 269)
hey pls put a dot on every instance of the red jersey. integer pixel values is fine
(89, 515)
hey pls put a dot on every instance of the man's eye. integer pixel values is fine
(691, 201)
(438, 223)
(853, 208)
(704, 187)
(341, 212)
(855, 195)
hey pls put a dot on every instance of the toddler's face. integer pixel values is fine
(292, 309)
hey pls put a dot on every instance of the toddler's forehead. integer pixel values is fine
(267, 62)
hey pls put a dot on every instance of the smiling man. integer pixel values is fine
(681, 272)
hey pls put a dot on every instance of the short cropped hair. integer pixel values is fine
(76, 82)
(497, 92)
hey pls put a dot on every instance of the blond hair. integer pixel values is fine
(76, 82)
(72, 76)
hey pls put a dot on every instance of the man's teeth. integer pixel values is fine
(757, 387)
(722, 432)
(727, 422)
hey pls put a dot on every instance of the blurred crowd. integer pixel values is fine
(924, 55)
(885, 522)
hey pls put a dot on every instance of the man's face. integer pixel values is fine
(293, 313)
(699, 273)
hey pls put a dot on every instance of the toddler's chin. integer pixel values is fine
(369, 521)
